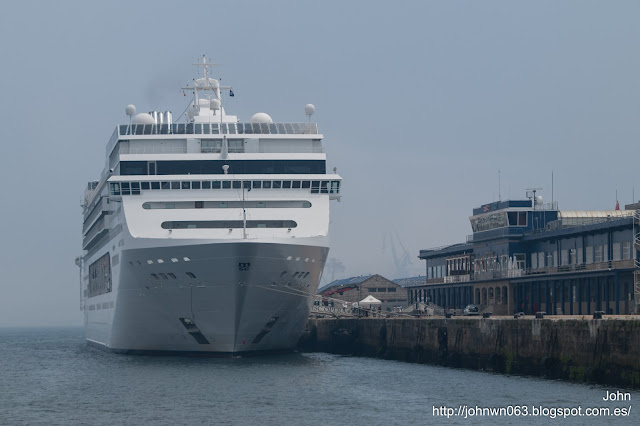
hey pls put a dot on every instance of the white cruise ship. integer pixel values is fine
(208, 235)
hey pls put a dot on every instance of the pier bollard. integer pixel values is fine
(598, 314)
(447, 315)
(540, 315)
(486, 315)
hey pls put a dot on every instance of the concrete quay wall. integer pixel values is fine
(605, 351)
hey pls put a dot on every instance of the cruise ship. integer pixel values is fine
(208, 234)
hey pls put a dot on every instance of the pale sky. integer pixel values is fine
(421, 103)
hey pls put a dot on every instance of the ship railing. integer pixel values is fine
(153, 150)
(219, 129)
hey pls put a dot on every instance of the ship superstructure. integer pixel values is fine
(205, 236)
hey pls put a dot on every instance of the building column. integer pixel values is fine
(579, 294)
(588, 297)
(598, 295)
(562, 297)
(540, 296)
(617, 291)
(547, 308)
(606, 294)
(571, 293)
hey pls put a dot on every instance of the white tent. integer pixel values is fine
(370, 302)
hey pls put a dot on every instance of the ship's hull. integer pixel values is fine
(218, 298)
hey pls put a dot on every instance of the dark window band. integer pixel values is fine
(221, 224)
(214, 167)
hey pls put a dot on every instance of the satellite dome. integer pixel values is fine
(143, 118)
(261, 117)
(203, 103)
(130, 110)
(309, 109)
(215, 104)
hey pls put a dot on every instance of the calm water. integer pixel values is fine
(49, 376)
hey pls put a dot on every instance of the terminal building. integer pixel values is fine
(354, 289)
(526, 256)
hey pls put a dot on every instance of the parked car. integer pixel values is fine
(471, 310)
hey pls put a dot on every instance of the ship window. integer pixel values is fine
(206, 184)
(306, 204)
(237, 184)
(190, 274)
(195, 185)
(144, 185)
(522, 218)
(211, 145)
(163, 276)
(199, 204)
(115, 189)
(286, 184)
(130, 168)
(166, 185)
(135, 188)
(175, 185)
(171, 275)
(266, 184)
(223, 205)
(246, 184)
(261, 205)
(306, 184)
(170, 206)
(296, 184)
(174, 259)
(155, 276)
(315, 186)
(216, 184)
(236, 145)
(324, 188)
(257, 184)
(277, 184)
(186, 185)
(125, 188)
(335, 186)
(226, 184)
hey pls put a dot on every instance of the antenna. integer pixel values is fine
(531, 194)
(499, 186)
(552, 188)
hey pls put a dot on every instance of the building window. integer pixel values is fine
(598, 257)
(391, 289)
(589, 254)
(626, 250)
(617, 252)
(372, 290)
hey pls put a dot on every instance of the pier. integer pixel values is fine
(576, 348)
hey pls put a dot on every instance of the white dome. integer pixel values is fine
(309, 109)
(215, 104)
(203, 103)
(143, 118)
(261, 117)
(130, 110)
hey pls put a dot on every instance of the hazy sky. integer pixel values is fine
(420, 104)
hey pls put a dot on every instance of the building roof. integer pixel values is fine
(346, 281)
(411, 281)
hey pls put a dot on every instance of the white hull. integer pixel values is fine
(222, 310)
